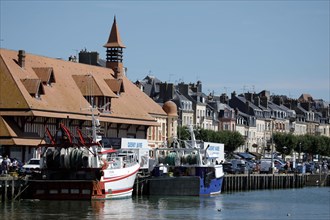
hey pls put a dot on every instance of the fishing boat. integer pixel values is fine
(82, 169)
(192, 170)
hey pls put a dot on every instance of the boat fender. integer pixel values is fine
(49, 158)
(57, 158)
(62, 154)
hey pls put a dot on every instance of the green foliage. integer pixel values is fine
(235, 140)
(183, 133)
(325, 141)
(231, 140)
(307, 143)
(285, 143)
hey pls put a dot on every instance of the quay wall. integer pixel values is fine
(242, 182)
(11, 187)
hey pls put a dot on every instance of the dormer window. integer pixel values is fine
(97, 94)
(116, 85)
(45, 74)
(34, 87)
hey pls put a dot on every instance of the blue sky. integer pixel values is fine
(280, 46)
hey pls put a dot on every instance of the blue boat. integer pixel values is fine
(192, 170)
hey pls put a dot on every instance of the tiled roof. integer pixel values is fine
(65, 96)
(44, 73)
(305, 98)
(89, 87)
(114, 38)
(32, 86)
(5, 129)
(116, 85)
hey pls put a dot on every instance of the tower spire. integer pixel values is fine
(115, 51)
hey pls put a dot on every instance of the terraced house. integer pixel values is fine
(256, 116)
(38, 92)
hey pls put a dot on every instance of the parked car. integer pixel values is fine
(252, 165)
(242, 166)
(266, 165)
(236, 166)
(33, 165)
(229, 168)
(310, 167)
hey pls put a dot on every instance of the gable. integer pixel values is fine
(33, 86)
(116, 85)
(45, 74)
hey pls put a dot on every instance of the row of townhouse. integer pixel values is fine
(255, 116)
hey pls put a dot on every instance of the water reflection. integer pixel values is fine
(307, 203)
(154, 208)
(37, 209)
(112, 209)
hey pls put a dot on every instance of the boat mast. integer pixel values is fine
(192, 136)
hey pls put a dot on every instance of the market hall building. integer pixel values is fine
(38, 92)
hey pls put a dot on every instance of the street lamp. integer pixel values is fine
(272, 151)
(299, 151)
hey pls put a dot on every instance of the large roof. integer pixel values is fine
(64, 97)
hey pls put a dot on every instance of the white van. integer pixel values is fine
(266, 164)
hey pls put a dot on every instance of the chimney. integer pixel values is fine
(257, 101)
(233, 94)
(90, 58)
(119, 72)
(224, 98)
(170, 91)
(264, 101)
(247, 104)
(278, 100)
(162, 91)
(199, 86)
(249, 96)
(21, 58)
(184, 88)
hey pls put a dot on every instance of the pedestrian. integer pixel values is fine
(5, 165)
(312, 167)
(325, 167)
(286, 167)
(14, 164)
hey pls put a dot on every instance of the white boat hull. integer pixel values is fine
(117, 183)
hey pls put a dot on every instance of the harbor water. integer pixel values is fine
(302, 203)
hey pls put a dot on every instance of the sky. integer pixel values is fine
(242, 46)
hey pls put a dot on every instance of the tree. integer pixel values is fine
(231, 139)
(325, 146)
(284, 143)
(183, 134)
(312, 144)
(235, 140)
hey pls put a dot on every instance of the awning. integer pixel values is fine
(246, 155)
(21, 141)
